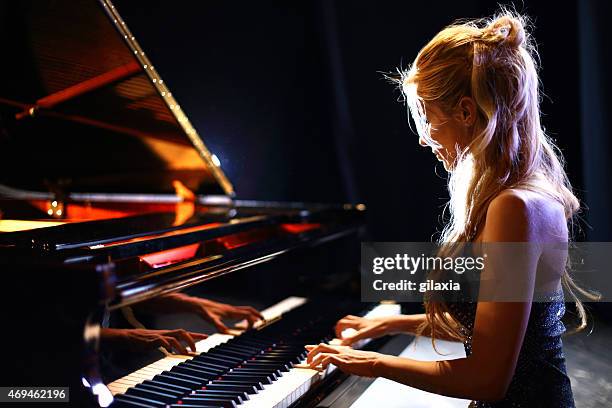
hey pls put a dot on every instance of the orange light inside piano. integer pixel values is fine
(299, 228)
(170, 256)
(239, 239)
(161, 235)
(100, 211)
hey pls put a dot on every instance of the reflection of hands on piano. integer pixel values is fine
(144, 339)
(347, 359)
(214, 312)
(209, 310)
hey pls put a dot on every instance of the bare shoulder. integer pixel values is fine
(516, 215)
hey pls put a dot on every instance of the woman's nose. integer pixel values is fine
(422, 141)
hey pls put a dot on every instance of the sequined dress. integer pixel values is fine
(540, 378)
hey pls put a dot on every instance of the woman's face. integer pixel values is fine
(450, 132)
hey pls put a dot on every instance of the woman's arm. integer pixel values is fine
(499, 327)
(485, 374)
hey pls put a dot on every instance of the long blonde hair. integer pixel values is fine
(494, 61)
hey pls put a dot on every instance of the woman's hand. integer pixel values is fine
(144, 339)
(350, 361)
(371, 328)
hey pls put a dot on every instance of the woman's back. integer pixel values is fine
(540, 378)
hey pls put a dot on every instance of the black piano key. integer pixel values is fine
(206, 365)
(153, 395)
(193, 406)
(167, 385)
(199, 379)
(195, 372)
(241, 348)
(157, 388)
(177, 380)
(287, 347)
(262, 364)
(284, 352)
(278, 360)
(229, 354)
(249, 389)
(131, 404)
(224, 361)
(203, 401)
(273, 375)
(235, 396)
(250, 342)
(258, 385)
(142, 400)
(247, 377)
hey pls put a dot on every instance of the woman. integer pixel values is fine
(473, 94)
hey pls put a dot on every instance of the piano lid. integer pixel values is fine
(83, 110)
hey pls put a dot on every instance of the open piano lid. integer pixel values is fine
(82, 110)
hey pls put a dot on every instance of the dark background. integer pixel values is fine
(291, 97)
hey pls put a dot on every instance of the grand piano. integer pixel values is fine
(110, 198)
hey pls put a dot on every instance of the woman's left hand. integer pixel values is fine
(347, 359)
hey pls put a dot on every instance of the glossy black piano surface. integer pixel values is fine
(109, 198)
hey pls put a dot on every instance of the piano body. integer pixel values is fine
(109, 198)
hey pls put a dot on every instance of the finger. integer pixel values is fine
(160, 342)
(312, 352)
(359, 335)
(255, 312)
(252, 319)
(346, 322)
(234, 332)
(321, 348)
(343, 325)
(222, 328)
(176, 345)
(318, 359)
(336, 360)
(186, 337)
(251, 315)
(205, 315)
(198, 336)
(248, 310)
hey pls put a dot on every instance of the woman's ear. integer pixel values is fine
(467, 111)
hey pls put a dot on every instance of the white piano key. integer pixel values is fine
(213, 340)
(281, 393)
(292, 385)
(276, 310)
(284, 391)
(148, 372)
(166, 363)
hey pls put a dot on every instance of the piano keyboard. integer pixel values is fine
(254, 370)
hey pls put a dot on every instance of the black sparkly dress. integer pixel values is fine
(540, 378)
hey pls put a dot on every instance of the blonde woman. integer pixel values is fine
(473, 94)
